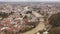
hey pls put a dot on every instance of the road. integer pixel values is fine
(39, 27)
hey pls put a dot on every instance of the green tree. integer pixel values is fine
(55, 30)
(3, 14)
(55, 20)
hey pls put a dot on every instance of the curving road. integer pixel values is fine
(39, 27)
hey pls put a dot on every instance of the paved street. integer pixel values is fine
(39, 27)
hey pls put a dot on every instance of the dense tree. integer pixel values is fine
(55, 30)
(29, 12)
(11, 13)
(55, 19)
(3, 14)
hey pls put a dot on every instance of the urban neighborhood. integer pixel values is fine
(30, 18)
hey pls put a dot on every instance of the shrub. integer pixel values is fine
(55, 20)
(55, 30)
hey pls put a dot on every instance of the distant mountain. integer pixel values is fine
(27, 2)
(36, 3)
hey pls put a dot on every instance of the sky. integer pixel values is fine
(30, 0)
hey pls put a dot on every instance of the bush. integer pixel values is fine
(55, 30)
(55, 20)
(3, 14)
